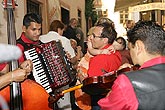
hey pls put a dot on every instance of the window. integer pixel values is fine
(65, 16)
(123, 16)
(79, 17)
(33, 7)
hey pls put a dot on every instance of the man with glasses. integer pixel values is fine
(103, 36)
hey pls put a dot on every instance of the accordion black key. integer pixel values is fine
(51, 67)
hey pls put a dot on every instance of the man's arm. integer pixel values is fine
(17, 75)
(121, 96)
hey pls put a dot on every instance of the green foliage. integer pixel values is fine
(89, 7)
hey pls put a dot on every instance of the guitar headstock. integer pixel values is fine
(9, 4)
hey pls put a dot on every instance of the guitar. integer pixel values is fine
(15, 89)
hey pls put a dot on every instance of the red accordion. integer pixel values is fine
(51, 67)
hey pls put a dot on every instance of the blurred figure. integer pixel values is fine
(164, 27)
(103, 20)
(70, 31)
(120, 45)
(55, 33)
(80, 36)
(77, 49)
(129, 24)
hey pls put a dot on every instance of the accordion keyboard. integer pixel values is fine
(38, 69)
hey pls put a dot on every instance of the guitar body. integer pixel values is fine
(37, 100)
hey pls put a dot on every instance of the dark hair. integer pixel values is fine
(31, 17)
(103, 20)
(151, 34)
(123, 42)
(108, 32)
(55, 25)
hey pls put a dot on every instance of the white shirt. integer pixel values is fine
(52, 35)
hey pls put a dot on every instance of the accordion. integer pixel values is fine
(51, 67)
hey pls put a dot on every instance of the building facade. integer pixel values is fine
(49, 10)
(141, 10)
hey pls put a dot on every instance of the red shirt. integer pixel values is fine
(107, 62)
(2, 66)
(122, 96)
(28, 42)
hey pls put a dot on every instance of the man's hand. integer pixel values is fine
(27, 65)
(125, 65)
(18, 75)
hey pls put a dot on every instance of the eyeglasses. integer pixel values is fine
(94, 36)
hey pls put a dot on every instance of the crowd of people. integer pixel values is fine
(106, 54)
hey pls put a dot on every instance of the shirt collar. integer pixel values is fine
(26, 40)
(154, 61)
(106, 46)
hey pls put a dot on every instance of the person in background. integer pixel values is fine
(103, 20)
(143, 89)
(80, 36)
(129, 24)
(70, 31)
(120, 45)
(163, 27)
(78, 51)
(55, 33)
(102, 37)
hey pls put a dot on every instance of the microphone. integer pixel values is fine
(9, 53)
